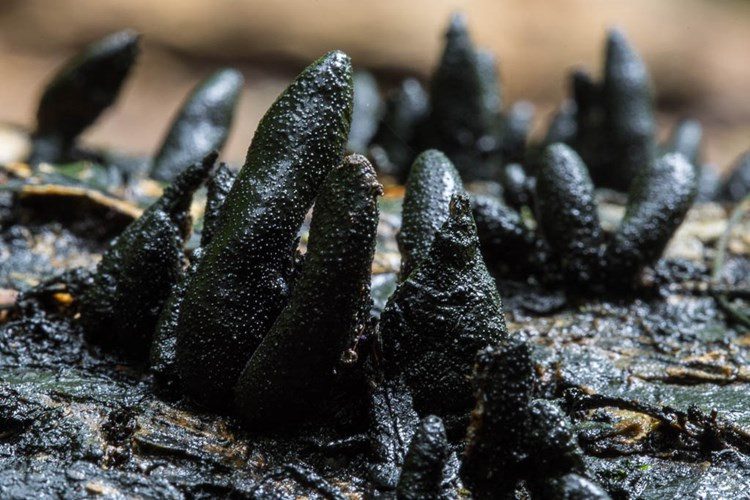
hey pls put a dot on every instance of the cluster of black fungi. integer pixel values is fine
(252, 326)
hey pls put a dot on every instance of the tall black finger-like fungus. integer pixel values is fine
(163, 356)
(243, 279)
(567, 213)
(406, 109)
(507, 244)
(87, 85)
(202, 124)
(737, 185)
(629, 124)
(366, 112)
(423, 473)
(136, 275)
(446, 309)
(294, 368)
(465, 105)
(505, 381)
(431, 184)
(658, 201)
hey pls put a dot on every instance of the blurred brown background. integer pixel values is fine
(698, 52)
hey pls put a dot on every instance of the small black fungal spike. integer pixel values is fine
(423, 473)
(243, 279)
(507, 244)
(445, 310)
(366, 112)
(431, 184)
(294, 367)
(564, 126)
(505, 381)
(567, 213)
(406, 109)
(629, 124)
(163, 345)
(515, 132)
(136, 275)
(737, 185)
(466, 104)
(573, 487)
(87, 85)
(202, 124)
(659, 200)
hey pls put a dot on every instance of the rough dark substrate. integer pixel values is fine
(76, 422)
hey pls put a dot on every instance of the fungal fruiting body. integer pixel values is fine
(86, 86)
(136, 275)
(444, 311)
(201, 125)
(242, 281)
(295, 366)
(431, 184)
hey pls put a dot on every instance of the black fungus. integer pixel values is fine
(564, 126)
(201, 125)
(163, 346)
(659, 200)
(423, 473)
(465, 114)
(296, 365)
(572, 487)
(436, 320)
(406, 109)
(432, 182)
(515, 132)
(136, 275)
(243, 279)
(686, 139)
(86, 86)
(567, 213)
(507, 244)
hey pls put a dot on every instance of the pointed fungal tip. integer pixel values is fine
(361, 164)
(458, 24)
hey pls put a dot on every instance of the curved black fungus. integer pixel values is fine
(505, 381)
(686, 139)
(295, 366)
(366, 112)
(163, 345)
(737, 185)
(431, 184)
(629, 124)
(567, 213)
(465, 100)
(201, 125)
(136, 275)
(422, 475)
(87, 85)
(406, 109)
(243, 279)
(437, 319)
(657, 204)
(515, 132)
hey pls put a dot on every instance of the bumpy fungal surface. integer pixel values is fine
(567, 213)
(465, 102)
(431, 184)
(136, 275)
(657, 204)
(445, 310)
(301, 357)
(327, 383)
(201, 125)
(243, 279)
(86, 86)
